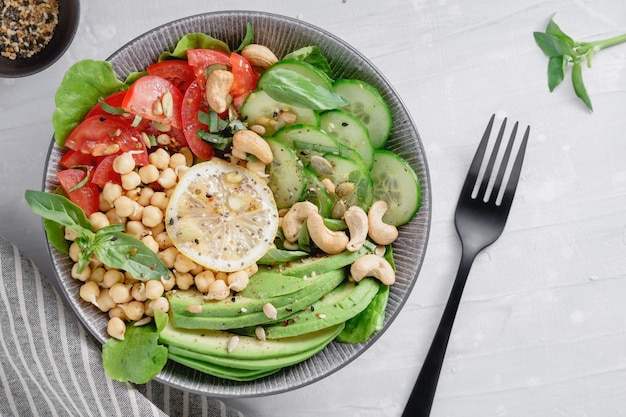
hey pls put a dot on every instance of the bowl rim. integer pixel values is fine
(62, 38)
(425, 212)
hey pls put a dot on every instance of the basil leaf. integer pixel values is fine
(248, 38)
(579, 86)
(554, 30)
(82, 86)
(58, 209)
(56, 235)
(295, 89)
(217, 140)
(553, 46)
(123, 251)
(276, 256)
(311, 55)
(194, 41)
(556, 71)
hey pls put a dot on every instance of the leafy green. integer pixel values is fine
(295, 89)
(194, 41)
(562, 50)
(248, 38)
(362, 326)
(109, 244)
(139, 357)
(83, 85)
(275, 256)
(311, 55)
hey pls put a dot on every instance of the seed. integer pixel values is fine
(167, 101)
(232, 343)
(233, 177)
(270, 311)
(288, 117)
(345, 189)
(194, 308)
(321, 165)
(260, 333)
(142, 322)
(157, 108)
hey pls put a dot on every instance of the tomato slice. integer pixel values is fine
(104, 173)
(107, 135)
(87, 197)
(145, 92)
(114, 100)
(193, 102)
(74, 158)
(245, 78)
(178, 72)
(201, 59)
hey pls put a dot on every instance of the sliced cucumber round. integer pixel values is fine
(286, 175)
(347, 170)
(259, 108)
(367, 105)
(305, 69)
(349, 131)
(396, 183)
(307, 140)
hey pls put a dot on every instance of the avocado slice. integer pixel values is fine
(221, 371)
(248, 311)
(341, 304)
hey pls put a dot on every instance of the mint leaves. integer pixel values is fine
(110, 244)
(563, 50)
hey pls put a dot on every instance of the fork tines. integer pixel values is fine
(484, 192)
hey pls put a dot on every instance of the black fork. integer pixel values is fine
(480, 218)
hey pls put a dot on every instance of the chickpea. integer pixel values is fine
(99, 220)
(160, 304)
(145, 195)
(111, 192)
(112, 277)
(115, 218)
(148, 174)
(184, 280)
(203, 280)
(133, 310)
(89, 291)
(124, 206)
(104, 300)
(138, 291)
(176, 160)
(159, 158)
(154, 289)
(120, 293)
(222, 276)
(238, 281)
(116, 328)
(74, 251)
(138, 213)
(150, 243)
(160, 200)
(124, 163)
(103, 204)
(69, 234)
(183, 264)
(130, 180)
(167, 178)
(136, 229)
(164, 241)
(82, 275)
(158, 228)
(168, 256)
(218, 290)
(118, 312)
(152, 216)
(169, 282)
(97, 274)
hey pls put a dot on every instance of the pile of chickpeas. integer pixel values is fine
(141, 208)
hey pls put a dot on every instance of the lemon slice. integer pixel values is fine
(221, 216)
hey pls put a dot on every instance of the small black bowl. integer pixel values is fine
(69, 15)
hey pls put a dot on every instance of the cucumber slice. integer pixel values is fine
(259, 108)
(307, 140)
(350, 170)
(286, 174)
(396, 183)
(348, 131)
(367, 105)
(316, 193)
(303, 68)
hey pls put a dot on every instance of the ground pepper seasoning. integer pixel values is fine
(26, 26)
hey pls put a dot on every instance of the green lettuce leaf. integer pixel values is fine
(362, 326)
(83, 85)
(139, 357)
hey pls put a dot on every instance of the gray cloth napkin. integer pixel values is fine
(50, 366)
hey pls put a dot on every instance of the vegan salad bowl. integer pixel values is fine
(243, 141)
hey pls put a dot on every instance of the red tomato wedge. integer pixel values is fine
(245, 78)
(104, 173)
(74, 158)
(178, 72)
(87, 196)
(201, 59)
(143, 95)
(107, 135)
(193, 102)
(114, 100)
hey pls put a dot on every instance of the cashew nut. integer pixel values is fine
(373, 266)
(259, 55)
(329, 241)
(218, 86)
(247, 141)
(292, 222)
(380, 232)
(356, 219)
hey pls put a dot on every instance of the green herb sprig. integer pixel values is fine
(110, 244)
(563, 50)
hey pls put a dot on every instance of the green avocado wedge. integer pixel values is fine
(221, 371)
(341, 304)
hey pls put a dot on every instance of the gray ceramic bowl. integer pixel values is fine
(69, 16)
(282, 35)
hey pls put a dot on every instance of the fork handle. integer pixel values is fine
(421, 399)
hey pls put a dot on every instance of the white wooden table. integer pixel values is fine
(541, 329)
